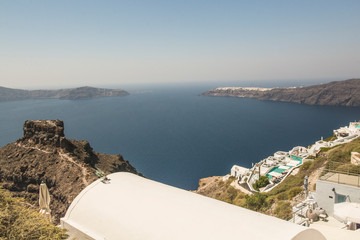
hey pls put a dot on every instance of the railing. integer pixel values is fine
(299, 216)
(344, 167)
(350, 177)
(250, 181)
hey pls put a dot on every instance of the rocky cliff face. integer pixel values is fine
(9, 94)
(44, 154)
(339, 93)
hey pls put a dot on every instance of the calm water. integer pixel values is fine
(175, 136)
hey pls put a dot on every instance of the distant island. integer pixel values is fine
(338, 93)
(9, 94)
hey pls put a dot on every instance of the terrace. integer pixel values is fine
(341, 177)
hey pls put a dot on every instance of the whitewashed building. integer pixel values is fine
(238, 171)
(352, 130)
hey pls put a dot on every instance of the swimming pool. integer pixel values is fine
(296, 158)
(275, 169)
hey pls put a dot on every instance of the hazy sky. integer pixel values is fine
(47, 43)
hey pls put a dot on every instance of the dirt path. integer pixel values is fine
(82, 167)
(35, 148)
(236, 185)
(315, 175)
(65, 157)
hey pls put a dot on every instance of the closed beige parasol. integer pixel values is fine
(44, 201)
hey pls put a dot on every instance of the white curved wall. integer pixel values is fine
(132, 207)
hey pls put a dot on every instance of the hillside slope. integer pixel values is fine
(44, 154)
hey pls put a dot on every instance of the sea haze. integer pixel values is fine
(175, 136)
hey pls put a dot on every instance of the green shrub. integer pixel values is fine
(255, 201)
(331, 138)
(306, 165)
(325, 149)
(240, 200)
(261, 182)
(282, 196)
(270, 200)
(19, 221)
(294, 191)
(230, 180)
(283, 210)
(289, 182)
(229, 195)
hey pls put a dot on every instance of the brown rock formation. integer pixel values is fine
(44, 154)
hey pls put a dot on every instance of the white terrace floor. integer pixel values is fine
(333, 230)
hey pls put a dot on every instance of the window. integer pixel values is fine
(339, 198)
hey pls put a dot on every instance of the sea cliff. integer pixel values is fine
(338, 93)
(9, 94)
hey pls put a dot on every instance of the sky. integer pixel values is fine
(67, 43)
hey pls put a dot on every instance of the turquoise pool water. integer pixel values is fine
(275, 169)
(279, 170)
(296, 158)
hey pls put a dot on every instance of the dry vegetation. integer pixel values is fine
(18, 220)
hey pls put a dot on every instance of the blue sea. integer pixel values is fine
(174, 135)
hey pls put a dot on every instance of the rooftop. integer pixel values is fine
(335, 230)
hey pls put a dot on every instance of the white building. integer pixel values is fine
(352, 130)
(132, 207)
(299, 151)
(238, 171)
(355, 127)
(280, 155)
(334, 188)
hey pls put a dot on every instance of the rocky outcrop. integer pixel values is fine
(339, 93)
(44, 133)
(9, 94)
(44, 154)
